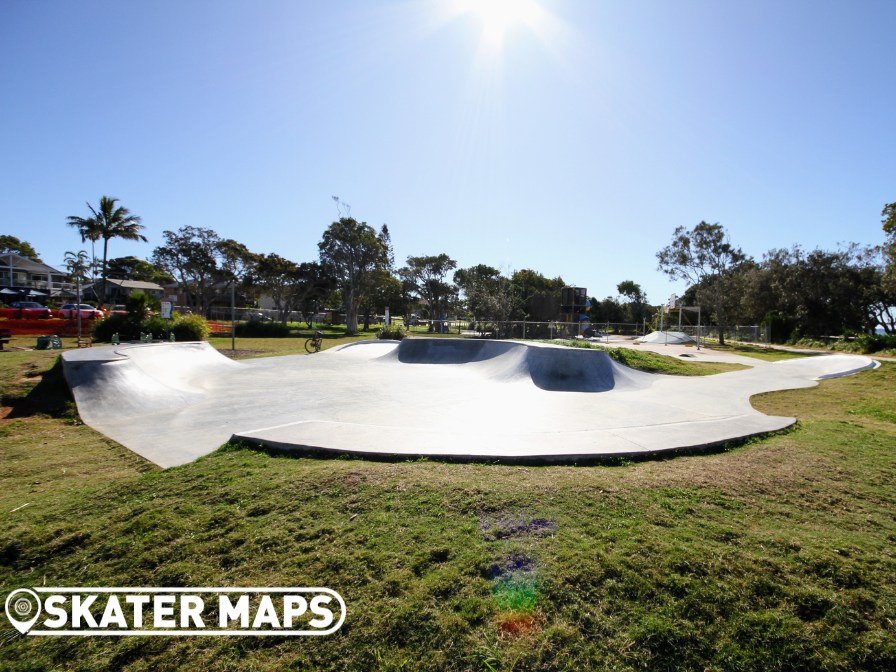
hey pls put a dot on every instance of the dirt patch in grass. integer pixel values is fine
(503, 526)
(510, 564)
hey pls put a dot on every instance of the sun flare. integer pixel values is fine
(498, 17)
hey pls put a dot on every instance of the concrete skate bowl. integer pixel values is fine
(548, 368)
(457, 399)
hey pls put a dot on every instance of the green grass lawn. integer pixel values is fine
(774, 555)
(758, 351)
(651, 362)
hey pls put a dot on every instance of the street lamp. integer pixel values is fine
(76, 263)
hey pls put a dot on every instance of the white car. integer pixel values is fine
(70, 311)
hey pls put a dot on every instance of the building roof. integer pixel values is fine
(20, 263)
(133, 284)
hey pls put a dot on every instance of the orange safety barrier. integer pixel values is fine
(51, 327)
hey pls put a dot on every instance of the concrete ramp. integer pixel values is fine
(132, 380)
(441, 398)
(667, 337)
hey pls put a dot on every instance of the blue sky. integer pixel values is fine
(567, 136)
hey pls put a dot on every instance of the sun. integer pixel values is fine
(498, 17)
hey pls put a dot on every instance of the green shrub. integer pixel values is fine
(104, 329)
(854, 345)
(129, 328)
(396, 332)
(258, 329)
(184, 328)
(810, 343)
(156, 326)
(869, 343)
(190, 328)
(140, 306)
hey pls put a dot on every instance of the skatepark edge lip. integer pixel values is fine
(441, 399)
(567, 459)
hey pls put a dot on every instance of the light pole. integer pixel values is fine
(76, 263)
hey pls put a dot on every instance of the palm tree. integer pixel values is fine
(107, 222)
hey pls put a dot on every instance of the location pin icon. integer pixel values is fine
(23, 609)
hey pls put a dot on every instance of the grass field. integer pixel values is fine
(774, 555)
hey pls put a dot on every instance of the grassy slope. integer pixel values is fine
(777, 555)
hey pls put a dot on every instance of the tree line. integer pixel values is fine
(796, 292)
(355, 270)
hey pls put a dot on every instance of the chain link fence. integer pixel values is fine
(510, 329)
(755, 334)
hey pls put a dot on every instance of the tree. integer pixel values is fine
(314, 284)
(204, 265)
(108, 222)
(888, 252)
(132, 268)
(384, 290)
(885, 304)
(632, 291)
(703, 256)
(816, 293)
(236, 266)
(889, 219)
(290, 285)
(428, 275)
(487, 293)
(351, 251)
(11, 244)
(539, 296)
(386, 237)
(189, 256)
(475, 284)
(608, 310)
(278, 276)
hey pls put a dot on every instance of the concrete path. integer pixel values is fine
(452, 398)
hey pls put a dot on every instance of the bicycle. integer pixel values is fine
(313, 344)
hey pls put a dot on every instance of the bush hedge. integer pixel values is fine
(394, 333)
(129, 327)
(868, 344)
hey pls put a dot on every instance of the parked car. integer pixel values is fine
(29, 310)
(70, 311)
(118, 309)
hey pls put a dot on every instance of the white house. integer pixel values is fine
(21, 276)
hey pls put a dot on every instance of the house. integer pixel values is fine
(21, 276)
(118, 291)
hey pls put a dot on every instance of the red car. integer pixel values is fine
(70, 311)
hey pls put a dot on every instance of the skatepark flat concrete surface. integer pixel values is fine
(450, 398)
